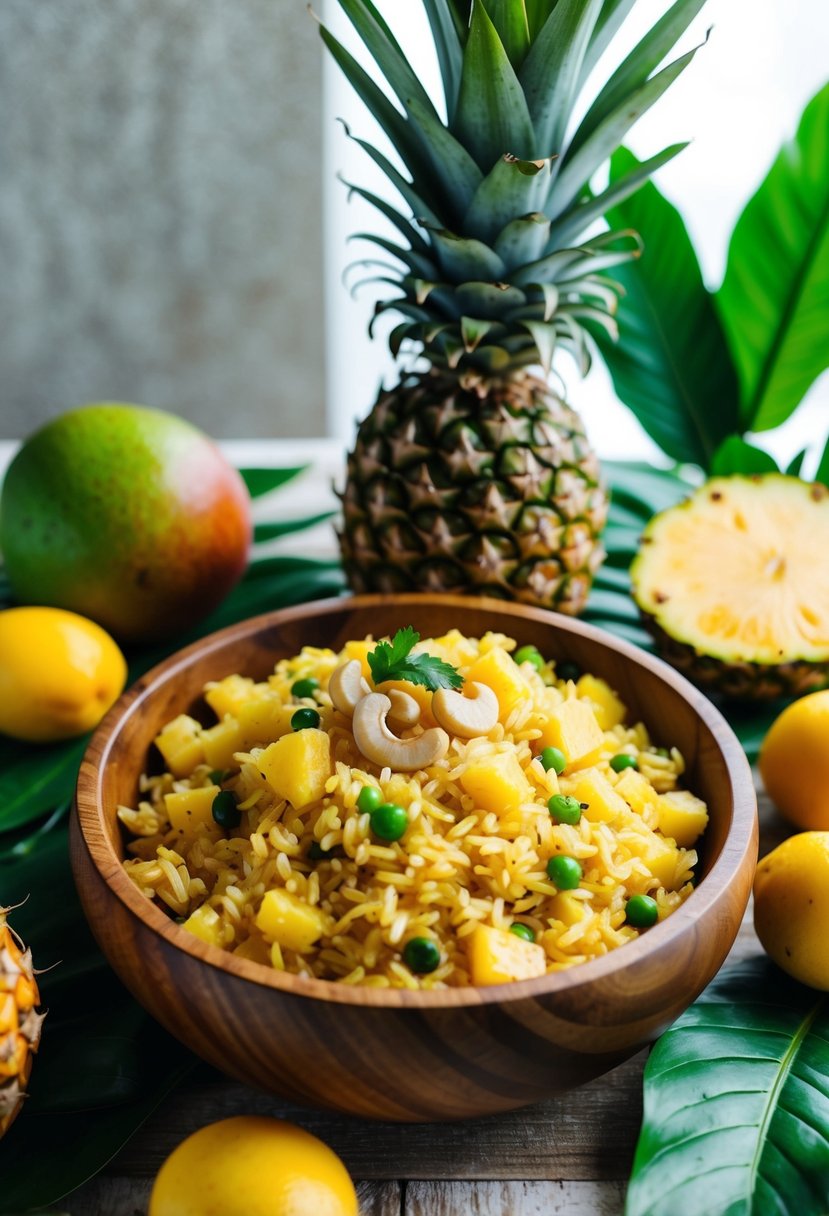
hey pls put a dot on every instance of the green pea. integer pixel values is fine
(522, 931)
(622, 761)
(225, 811)
(641, 911)
(565, 872)
(369, 798)
(564, 809)
(304, 688)
(421, 955)
(553, 758)
(305, 719)
(529, 654)
(568, 671)
(389, 821)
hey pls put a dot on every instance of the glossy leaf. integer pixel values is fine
(262, 481)
(736, 1116)
(269, 531)
(775, 297)
(37, 779)
(822, 473)
(735, 455)
(671, 366)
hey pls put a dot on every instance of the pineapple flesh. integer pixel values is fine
(20, 1022)
(472, 475)
(734, 585)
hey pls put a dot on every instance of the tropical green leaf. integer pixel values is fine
(613, 14)
(269, 531)
(39, 778)
(671, 366)
(262, 481)
(537, 13)
(551, 73)
(449, 36)
(775, 297)
(398, 221)
(736, 1116)
(386, 52)
(735, 455)
(796, 463)
(822, 473)
(415, 200)
(492, 118)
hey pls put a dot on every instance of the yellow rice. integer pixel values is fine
(457, 866)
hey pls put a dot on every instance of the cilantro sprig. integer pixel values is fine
(394, 661)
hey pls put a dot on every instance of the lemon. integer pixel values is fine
(791, 907)
(253, 1166)
(794, 762)
(59, 674)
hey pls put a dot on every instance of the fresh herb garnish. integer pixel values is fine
(394, 661)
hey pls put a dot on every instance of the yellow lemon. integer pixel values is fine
(59, 674)
(791, 907)
(794, 762)
(253, 1166)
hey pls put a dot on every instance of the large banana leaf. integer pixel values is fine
(736, 1118)
(775, 297)
(671, 365)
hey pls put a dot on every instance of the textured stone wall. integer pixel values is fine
(160, 215)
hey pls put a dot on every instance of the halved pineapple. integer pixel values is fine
(20, 1022)
(734, 583)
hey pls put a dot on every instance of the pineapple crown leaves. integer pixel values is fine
(500, 188)
(395, 661)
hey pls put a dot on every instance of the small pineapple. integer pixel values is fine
(20, 1023)
(734, 585)
(472, 475)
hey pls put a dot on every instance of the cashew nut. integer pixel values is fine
(377, 743)
(404, 711)
(346, 686)
(467, 716)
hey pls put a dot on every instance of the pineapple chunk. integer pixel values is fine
(297, 766)
(227, 696)
(181, 746)
(191, 809)
(682, 816)
(497, 956)
(499, 670)
(205, 924)
(607, 707)
(660, 856)
(497, 783)
(603, 802)
(359, 650)
(221, 742)
(566, 908)
(263, 720)
(289, 921)
(637, 791)
(255, 949)
(572, 727)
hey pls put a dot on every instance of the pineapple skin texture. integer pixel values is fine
(20, 1023)
(451, 491)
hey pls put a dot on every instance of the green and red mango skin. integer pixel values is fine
(127, 515)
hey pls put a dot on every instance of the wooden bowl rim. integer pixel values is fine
(90, 819)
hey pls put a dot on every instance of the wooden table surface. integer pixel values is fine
(571, 1154)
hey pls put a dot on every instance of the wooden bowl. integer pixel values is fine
(388, 1053)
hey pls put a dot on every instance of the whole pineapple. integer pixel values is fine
(20, 1023)
(473, 475)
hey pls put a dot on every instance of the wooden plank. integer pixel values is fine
(514, 1198)
(108, 1196)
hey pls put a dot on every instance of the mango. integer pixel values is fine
(127, 515)
(499, 670)
(289, 921)
(497, 956)
(572, 727)
(497, 783)
(297, 766)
